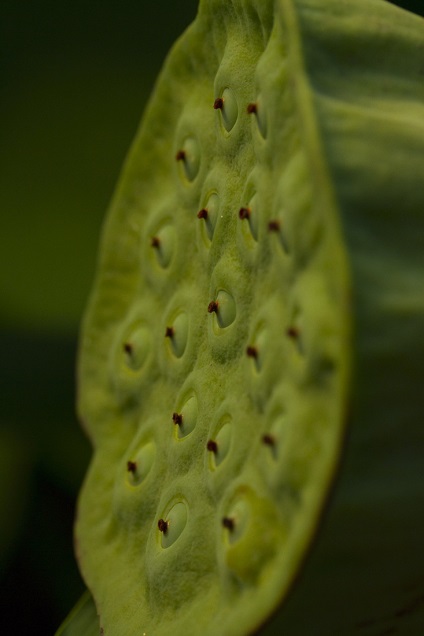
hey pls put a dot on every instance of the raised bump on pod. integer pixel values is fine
(188, 156)
(227, 105)
(224, 308)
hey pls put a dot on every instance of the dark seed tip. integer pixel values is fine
(274, 226)
(163, 525)
(170, 332)
(252, 108)
(131, 466)
(252, 352)
(268, 440)
(155, 242)
(212, 446)
(213, 307)
(218, 103)
(293, 333)
(128, 348)
(228, 523)
(177, 418)
(203, 214)
(181, 155)
(244, 213)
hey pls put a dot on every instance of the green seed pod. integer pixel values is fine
(252, 355)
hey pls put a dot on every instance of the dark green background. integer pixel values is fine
(74, 80)
(75, 76)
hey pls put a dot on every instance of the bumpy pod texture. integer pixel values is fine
(255, 336)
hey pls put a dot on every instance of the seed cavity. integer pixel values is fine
(185, 419)
(163, 244)
(255, 108)
(136, 347)
(172, 524)
(248, 214)
(188, 157)
(224, 308)
(177, 334)
(228, 107)
(209, 214)
(220, 442)
(258, 349)
(140, 465)
(274, 226)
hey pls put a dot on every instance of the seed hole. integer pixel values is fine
(177, 334)
(256, 108)
(219, 444)
(136, 348)
(163, 244)
(224, 307)
(209, 214)
(227, 105)
(172, 526)
(189, 158)
(248, 214)
(186, 419)
(139, 467)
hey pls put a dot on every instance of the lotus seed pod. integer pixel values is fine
(252, 354)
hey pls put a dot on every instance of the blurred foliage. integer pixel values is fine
(74, 78)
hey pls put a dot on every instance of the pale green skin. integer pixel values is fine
(334, 152)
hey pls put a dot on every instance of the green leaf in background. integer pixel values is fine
(83, 620)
